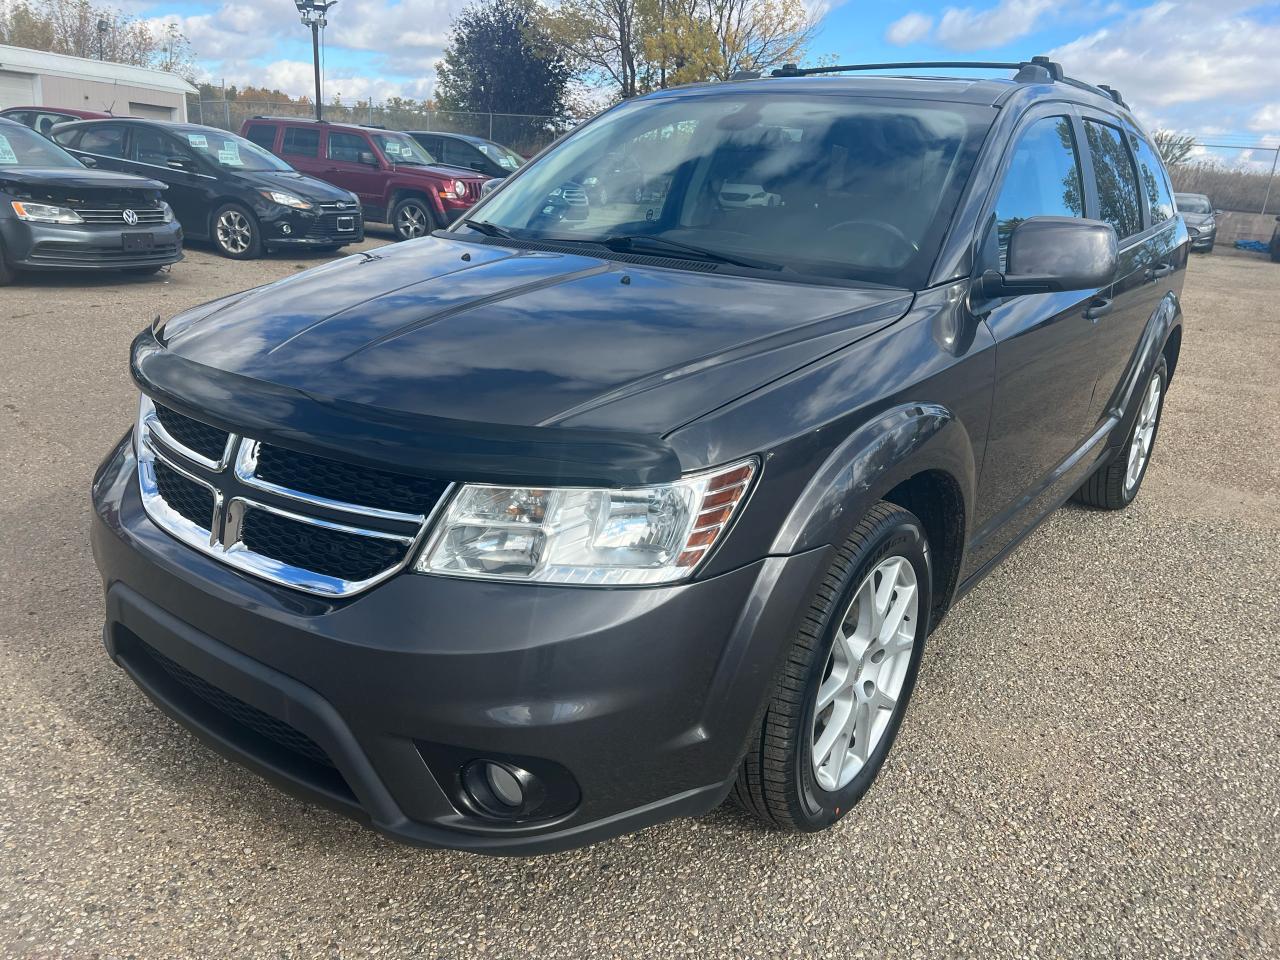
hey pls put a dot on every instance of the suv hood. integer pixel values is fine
(308, 188)
(487, 343)
(77, 179)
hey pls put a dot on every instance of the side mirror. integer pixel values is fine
(368, 159)
(1052, 254)
(489, 186)
(90, 162)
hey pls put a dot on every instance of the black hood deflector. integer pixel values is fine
(416, 443)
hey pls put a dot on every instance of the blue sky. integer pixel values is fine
(1207, 67)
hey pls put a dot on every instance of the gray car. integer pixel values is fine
(1201, 219)
(57, 214)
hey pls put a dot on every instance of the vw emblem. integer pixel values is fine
(131, 218)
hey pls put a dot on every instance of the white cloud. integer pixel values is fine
(909, 29)
(966, 28)
(1267, 119)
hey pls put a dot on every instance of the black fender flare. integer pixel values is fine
(1164, 320)
(894, 446)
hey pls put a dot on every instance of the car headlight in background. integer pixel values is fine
(286, 199)
(603, 537)
(456, 190)
(44, 213)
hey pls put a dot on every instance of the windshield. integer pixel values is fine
(20, 147)
(826, 186)
(401, 148)
(507, 159)
(1190, 203)
(231, 152)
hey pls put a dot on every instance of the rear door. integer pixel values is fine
(1132, 194)
(343, 152)
(1044, 342)
(107, 143)
(300, 148)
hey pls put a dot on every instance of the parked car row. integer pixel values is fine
(286, 183)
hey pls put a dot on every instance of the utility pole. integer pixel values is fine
(103, 27)
(314, 15)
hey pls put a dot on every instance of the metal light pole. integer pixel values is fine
(314, 16)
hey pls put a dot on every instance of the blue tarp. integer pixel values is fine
(1255, 245)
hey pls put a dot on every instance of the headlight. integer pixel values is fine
(168, 212)
(457, 190)
(45, 213)
(635, 535)
(286, 199)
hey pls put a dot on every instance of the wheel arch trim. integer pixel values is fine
(901, 442)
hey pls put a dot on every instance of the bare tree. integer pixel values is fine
(1174, 148)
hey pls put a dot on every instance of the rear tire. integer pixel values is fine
(861, 661)
(1114, 486)
(236, 233)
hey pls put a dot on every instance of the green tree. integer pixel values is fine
(501, 59)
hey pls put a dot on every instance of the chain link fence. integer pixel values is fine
(1236, 173)
(526, 134)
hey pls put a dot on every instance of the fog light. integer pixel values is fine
(502, 789)
(286, 229)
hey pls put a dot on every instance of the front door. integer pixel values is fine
(151, 153)
(348, 167)
(1045, 371)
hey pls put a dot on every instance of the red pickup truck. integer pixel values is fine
(396, 180)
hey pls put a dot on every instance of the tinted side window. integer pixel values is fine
(301, 142)
(1117, 180)
(460, 154)
(153, 147)
(1154, 181)
(347, 147)
(1043, 179)
(261, 134)
(105, 141)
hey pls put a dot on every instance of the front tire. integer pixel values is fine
(236, 232)
(1115, 486)
(839, 698)
(412, 219)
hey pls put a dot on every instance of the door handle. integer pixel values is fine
(1098, 307)
(1159, 270)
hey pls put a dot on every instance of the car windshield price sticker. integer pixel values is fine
(198, 140)
(6, 152)
(229, 155)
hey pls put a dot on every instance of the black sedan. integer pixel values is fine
(56, 214)
(222, 187)
(469, 153)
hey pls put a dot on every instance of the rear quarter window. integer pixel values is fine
(1155, 181)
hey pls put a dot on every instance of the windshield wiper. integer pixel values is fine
(487, 228)
(639, 243)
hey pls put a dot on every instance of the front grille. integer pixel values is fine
(328, 226)
(315, 524)
(209, 442)
(236, 709)
(153, 215)
(473, 189)
(188, 499)
(333, 553)
(73, 253)
(335, 480)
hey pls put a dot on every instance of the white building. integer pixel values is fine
(39, 79)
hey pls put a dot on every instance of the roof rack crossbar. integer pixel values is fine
(1035, 70)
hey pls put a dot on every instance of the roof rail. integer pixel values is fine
(1035, 70)
(267, 116)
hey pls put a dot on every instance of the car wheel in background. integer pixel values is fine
(840, 695)
(236, 233)
(411, 219)
(1114, 486)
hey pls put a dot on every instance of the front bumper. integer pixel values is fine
(645, 697)
(286, 227)
(56, 246)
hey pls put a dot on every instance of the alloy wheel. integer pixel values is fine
(864, 674)
(1143, 433)
(412, 222)
(235, 233)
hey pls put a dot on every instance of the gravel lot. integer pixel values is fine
(1090, 766)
